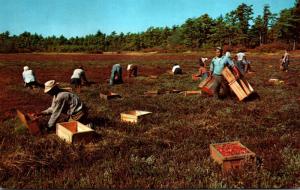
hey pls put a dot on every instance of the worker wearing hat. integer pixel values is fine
(217, 65)
(63, 102)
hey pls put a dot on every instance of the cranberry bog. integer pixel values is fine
(170, 148)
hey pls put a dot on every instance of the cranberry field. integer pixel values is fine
(170, 147)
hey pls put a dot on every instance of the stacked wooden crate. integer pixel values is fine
(240, 86)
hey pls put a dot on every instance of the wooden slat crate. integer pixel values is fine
(204, 82)
(74, 132)
(133, 116)
(227, 74)
(208, 86)
(195, 77)
(109, 95)
(31, 123)
(241, 88)
(225, 155)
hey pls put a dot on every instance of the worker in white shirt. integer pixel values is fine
(78, 78)
(176, 70)
(29, 78)
(132, 70)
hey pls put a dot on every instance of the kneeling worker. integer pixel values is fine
(116, 75)
(63, 102)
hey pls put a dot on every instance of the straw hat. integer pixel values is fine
(49, 85)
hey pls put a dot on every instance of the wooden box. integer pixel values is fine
(208, 86)
(192, 92)
(241, 88)
(195, 77)
(109, 95)
(74, 132)
(204, 82)
(133, 116)
(30, 122)
(231, 155)
(227, 74)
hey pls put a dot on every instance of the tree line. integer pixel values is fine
(236, 28)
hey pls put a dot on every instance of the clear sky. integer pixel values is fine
(82, 17)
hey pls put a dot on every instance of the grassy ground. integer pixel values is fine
(169, 148)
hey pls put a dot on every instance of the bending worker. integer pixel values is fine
(132, 70)
(63, 102)
(29, 78)
(78, 77)
(116, 75)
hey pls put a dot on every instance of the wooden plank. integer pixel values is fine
(192, 92)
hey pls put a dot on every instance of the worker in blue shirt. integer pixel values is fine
(216, 67)
(116, 75)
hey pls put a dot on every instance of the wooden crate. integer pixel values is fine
(227, 74)
(192, 92)
(241, 88)
(133, 116)
(74, 132)
(209, 86)
(109, 95)
(232, 160)
(195, 77)
(31, 123)
(204, 82)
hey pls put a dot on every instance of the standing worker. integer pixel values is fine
(63, 102)
(78, 78)
(116, 75)
(242, 63)
(285, 61)
(216, 67)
